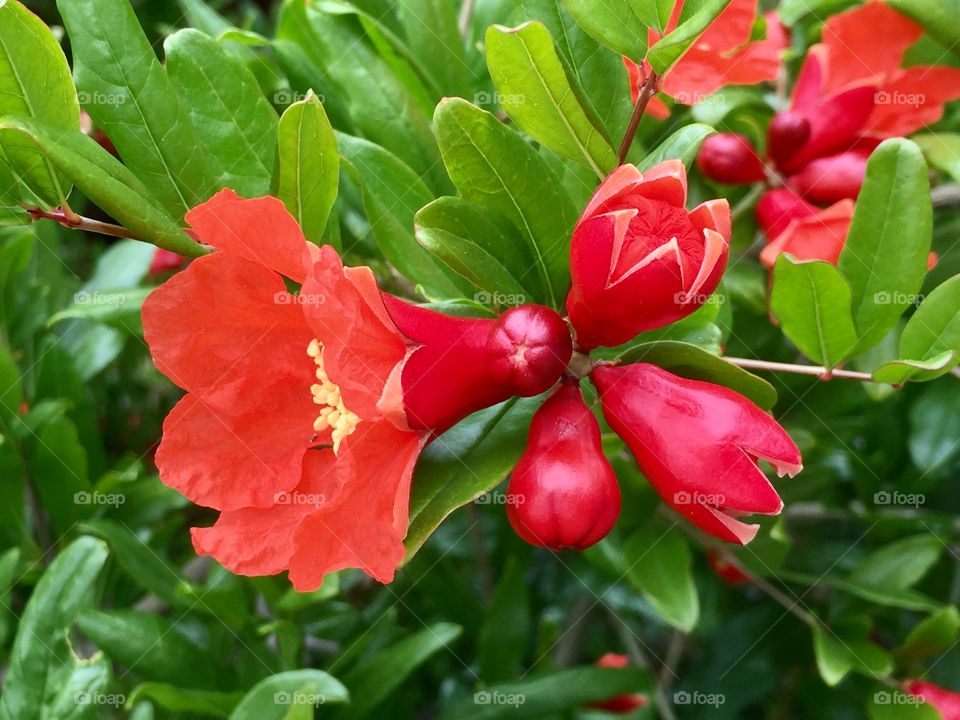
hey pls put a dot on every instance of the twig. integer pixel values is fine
(945, 196)
(466, 17)
(810, 370)
(647, 91)
(747, 202)
(73, 221)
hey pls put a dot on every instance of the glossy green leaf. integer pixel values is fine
(392, 195)
(493, 166)
(549, 693)
(58, 465)
(309, 165)
(464, 463)
(128, 95)
(109, 184)
(885, 255)
(897, 372)
(669, 49)
(373, 679)
(683, 145)
(690, 361)
(273, 697)
(430, 27)
(613, 23)
(661, 564)
(45, 676)
(935, 427)
(942, 150)
(933, 636)
(231, 117)
(482, 246)
(839, 653)
(35, 82)
(812, 302)
(901, 564)
(185, 700)
(536, 92)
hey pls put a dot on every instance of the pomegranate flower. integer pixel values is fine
(563, 494)
(723, 55)
(305, 414)
(792, 225)
(698, 445)
(638, 259)
(947, 702)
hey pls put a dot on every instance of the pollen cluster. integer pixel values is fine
(326, 393)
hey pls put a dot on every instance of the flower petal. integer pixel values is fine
(818, 237)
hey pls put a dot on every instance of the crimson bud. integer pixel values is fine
(730, 159)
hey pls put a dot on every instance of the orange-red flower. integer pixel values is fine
(792, 225)
(723, 55)
(305, 413)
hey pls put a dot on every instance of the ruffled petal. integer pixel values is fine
(363, 525)
(818, 237)
(260, 230)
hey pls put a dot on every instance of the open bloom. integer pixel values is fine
(947, 702)
(792, 225)
(305, 414)
(723, 55)
(563, 494)
(638, 259)
(698, 445)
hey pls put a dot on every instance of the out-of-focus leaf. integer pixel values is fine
(934, 636)
(840, 652)
(372, 680)
(899, 565)
(812, 302)
(231, 117)
(940, 18)
(613, 23)
(683, 145)
(309, 165)
(430, 26)
(942, 150)
(661, 564)
(537, 93)
(9, 565)
(505, 633)
(120, 308)
(45, 677)
(126, 91)
(465, 462)
(273, 697)
(493, 166)
(887, 704)
(35, 82)
(58, 466)
(935, 427)
(885, 254)
(184, 700)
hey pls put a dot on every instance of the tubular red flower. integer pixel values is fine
(165, 261)
(819, 236)
(947, 702)
(778, 208)
(638, 259)
(730, 159)
(698, 445)
(831, 179)
(305, 413)
(620, 704)
(787, 133)
(563, 494)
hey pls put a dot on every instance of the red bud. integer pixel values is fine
(621, 704)
(528, 349)
(563, 493)
(730, 159)
(788, 132)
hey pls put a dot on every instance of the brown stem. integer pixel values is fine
(811, 370)
(647, 91)
(73, 221)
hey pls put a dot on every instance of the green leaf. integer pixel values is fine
(430, 26)
(942, 150)
(150, 646)
(940, 18)
(661, 565)
(273, 697)
(481, 245)
(812, 302)
(58, 465)
(175, 699)
(550, 693)
(899, 565)
(392, 195)
(885, 255)
(839, 653)
(231, 118)
(935, 427)
(35, 82)
(669, 49)
(897, 372)
(535, 90)
(887, 704)
(613, 23)
(934, 636)
(372, 679)
(129, 96)
(493, 166)
(464, 463)
(103, 179)
(931, 338)
(690, 361)
(120, 308)
(683, 145)
(44, 675)
(309, 165)
(505, 633)
(9, 567)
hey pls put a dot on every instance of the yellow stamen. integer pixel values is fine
(326, 393)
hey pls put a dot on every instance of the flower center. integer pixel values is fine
(326, 393)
